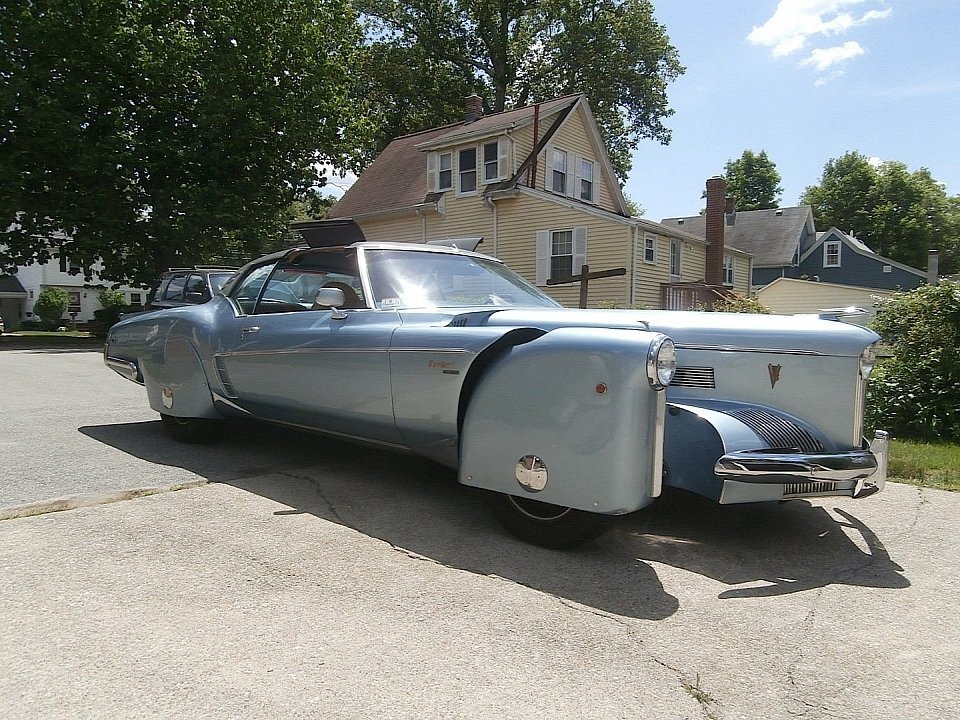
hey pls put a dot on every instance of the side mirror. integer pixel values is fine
(329, 297)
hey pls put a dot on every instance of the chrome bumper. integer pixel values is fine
(868, 466)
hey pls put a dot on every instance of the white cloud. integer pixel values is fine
(829, 77)
(795, 22)
(823, 58)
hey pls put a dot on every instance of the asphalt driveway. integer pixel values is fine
(316, 579)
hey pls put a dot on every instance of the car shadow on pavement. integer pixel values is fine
(418, 508)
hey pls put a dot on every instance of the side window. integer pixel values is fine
(586, 180)
(467, 164)
(247, 291)
(196, 286)
(174, 289)
(831, 254)
(558, 163)
(445, 178)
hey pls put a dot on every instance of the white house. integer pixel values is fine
(19, 292)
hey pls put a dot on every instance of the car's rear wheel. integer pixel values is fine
(547, 525)
(191, 430)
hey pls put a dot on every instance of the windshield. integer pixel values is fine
(411, 279)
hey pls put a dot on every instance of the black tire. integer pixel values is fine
(547, 525)
(191, 430)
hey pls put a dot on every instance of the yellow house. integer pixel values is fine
(537, 184)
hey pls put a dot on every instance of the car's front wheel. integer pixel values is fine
(547, 525)
(191, 430)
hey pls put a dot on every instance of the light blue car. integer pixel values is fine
(567, 417)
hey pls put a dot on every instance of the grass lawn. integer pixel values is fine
(934, 465)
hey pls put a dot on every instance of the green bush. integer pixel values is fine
(112, 298)
(51, 304)
(736, 304)
(916, 391)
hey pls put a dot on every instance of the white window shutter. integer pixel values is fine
(573, 177)
(433, 175)
(503, 158)
(579, 248)
(543, 257)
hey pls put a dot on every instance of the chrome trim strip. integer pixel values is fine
(767, 466)
(217, 397)
(301, 351)
(658, 431)
(735, 348)
(449, 351)
(126, 368)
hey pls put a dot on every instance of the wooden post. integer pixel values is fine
(584, 279)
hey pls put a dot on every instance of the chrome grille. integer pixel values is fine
(694, 377)
(808, 488)
(224, 378)
(777, 431)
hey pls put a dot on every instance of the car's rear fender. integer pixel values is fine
(175, 379)
(569, 418)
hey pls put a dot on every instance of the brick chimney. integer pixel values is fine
(716, 205)
(933, 267)
(473, 109)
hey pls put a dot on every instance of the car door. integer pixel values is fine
(316, 368)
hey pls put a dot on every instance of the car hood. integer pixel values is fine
(732, 331)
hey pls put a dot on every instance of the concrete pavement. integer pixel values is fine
(326, 580)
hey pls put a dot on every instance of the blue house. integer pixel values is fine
(784, 243)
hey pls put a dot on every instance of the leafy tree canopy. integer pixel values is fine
(514, 52)
(151, 133)
(754, 181)
(898, 213)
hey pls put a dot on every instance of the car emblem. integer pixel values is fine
(774, 371)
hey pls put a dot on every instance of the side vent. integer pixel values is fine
(224, 378)
(694, 377)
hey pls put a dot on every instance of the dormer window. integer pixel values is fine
(558, 164)
(467, 165)
(445, 177)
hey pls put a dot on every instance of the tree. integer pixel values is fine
(899, 214)
(914, 392)
(51, 304)
(754, 181)
(514, 52)
(156, 132)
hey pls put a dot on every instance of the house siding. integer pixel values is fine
(788, 296)
(395, 228)
(608, 246)
(858, 269)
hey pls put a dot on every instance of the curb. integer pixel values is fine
(44, 507)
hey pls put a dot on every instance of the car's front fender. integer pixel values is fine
(569, 419)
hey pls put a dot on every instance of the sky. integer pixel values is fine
(806, 81)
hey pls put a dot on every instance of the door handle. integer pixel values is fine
(250, 329)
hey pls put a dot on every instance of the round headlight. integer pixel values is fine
(868, 359)
(661, 362)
